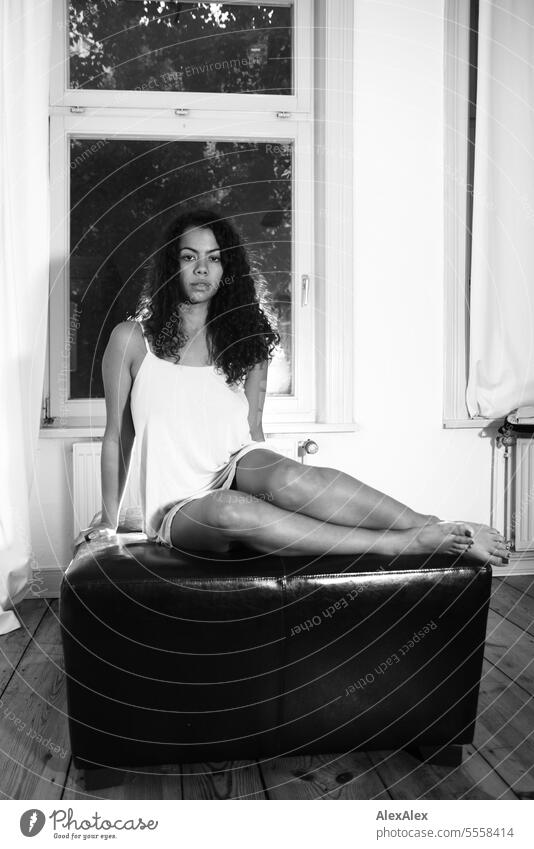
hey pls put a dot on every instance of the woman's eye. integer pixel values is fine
(216, 258)
(187, 256)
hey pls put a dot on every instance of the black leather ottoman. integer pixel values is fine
(175, 657)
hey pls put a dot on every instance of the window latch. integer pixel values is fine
(283, 114)
(78, 110)
(181, 113)
(47, 419)
(305, 288)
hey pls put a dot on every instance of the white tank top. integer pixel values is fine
(188, 424)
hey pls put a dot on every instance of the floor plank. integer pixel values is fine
(35, 744)
(334, 776)
(487, 784)
(406, 777)
(160, 782)
(516, 606)
(504, 733)
(511, 650)
(13, 645)
(222, 780)
(522, 583)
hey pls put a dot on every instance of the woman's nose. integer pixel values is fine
(201, 267)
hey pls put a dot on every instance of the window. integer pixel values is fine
(159, 106)
(122, 192)
(171, 46)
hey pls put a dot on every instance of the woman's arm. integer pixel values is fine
(119, 434)
(255, 389)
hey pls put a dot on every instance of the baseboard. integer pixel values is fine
(521, 563)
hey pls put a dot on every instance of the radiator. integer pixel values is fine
(522, 491)
(87, 493)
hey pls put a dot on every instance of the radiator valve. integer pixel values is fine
(307, 446)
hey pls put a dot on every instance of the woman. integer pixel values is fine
(189, 382)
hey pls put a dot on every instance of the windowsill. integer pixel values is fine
(282, 428)
(478, 422)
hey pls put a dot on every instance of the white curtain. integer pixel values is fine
(501, 367)
(25, 33)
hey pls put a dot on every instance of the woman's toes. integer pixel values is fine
(465, 542)
(463, 529)
(497, 561)
(503, 561)
(498, 538)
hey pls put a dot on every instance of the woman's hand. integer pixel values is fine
(100, 531)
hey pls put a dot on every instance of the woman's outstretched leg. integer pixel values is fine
(323, 493)
(223, 517)
(332, 496)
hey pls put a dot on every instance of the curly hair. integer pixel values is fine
(239, 331)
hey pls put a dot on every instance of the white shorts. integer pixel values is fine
(223, 481)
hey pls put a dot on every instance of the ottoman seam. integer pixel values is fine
(255, 578)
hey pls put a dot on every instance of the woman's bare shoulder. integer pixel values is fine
(123, 333)
(123, 342)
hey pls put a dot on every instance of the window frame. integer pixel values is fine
(279, 408)
(325, 213)
(300, 101)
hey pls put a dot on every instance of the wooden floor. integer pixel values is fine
(35, 761)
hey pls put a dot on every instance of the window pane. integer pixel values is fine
(124, 192)
(155, 46)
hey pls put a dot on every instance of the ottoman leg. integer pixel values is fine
(440, 755)
(97, 778)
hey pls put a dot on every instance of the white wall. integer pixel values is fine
(51, 504)
(399, 320)
(400, 446)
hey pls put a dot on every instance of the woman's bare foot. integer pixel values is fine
(445, 537)
(489, 545)
(482, 555)
(429, 519)
(481, 528)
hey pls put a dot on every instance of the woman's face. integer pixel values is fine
(200, 264)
